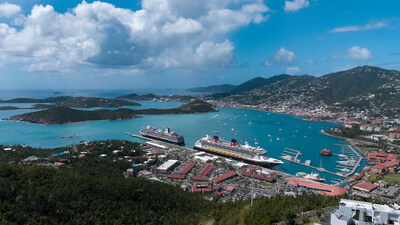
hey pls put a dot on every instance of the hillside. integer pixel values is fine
(75, 102)
(133, 96)
(363, 86)
(63, 115)
(213, 89)
(257, 82)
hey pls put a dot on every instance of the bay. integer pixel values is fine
(273, 132)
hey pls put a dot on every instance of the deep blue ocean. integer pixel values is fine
(273, 132)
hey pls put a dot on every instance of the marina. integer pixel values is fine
(292, 155)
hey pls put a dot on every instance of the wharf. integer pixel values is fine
(295, 159)
(160, 142)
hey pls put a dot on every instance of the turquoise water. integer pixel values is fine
(241, 124)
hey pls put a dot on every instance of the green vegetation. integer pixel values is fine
(62, 115)
(348, 132)
(213, 89)
(197, 106)
(392, 178)
(145, 97)
(258, 82)
(90, 102)
(38, 195)
(273, 210)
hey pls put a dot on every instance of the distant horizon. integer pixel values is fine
(181, 44)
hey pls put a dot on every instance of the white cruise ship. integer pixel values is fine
(245, 153)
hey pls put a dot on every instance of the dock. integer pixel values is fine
(295, 155)
(169, 145)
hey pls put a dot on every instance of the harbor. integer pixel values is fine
(292, 155)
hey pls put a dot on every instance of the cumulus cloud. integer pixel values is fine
(368, 26)
(9, 10)
(293, 70)
(162, 34)
(358, 53)
(283, 57)
(296, 5)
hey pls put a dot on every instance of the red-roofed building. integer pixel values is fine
(326, 152)
(201, 189)
(253, 168)
(355, 176)
(207, 189)
(383, 168)
(206, 170)
(258, 176)
(224, 177)
(321, 188)
(198, 178)
(176, 176)
(376, 157)
(218, 188)
(229, 188)
(157, 152)
(395, 135)
(364, 186)
(186, 169)
(196, 189)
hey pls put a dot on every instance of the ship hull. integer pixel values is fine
(249, 161)
(164, 140)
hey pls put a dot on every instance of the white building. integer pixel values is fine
(365, 213)
(168, 165)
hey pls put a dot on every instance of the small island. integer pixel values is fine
(64, 115)
(8, 108)
(196, 106)
(74, 102)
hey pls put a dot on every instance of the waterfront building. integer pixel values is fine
(364, 213)
(167, 166)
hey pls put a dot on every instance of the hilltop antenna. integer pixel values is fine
(252, 192)
(74, 148)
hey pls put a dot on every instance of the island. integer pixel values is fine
(64, 115)
(8, 108)
(196, 106)
(133, 96)
(74, 102)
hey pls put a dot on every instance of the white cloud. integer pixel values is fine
(283, 57)
(310, 62)
(163, 34)
(9, 10)
(358, 53)
(293, 70)
(296, 5)
(368, 26)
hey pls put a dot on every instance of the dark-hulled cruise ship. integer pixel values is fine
(162, 135)
(245, 153)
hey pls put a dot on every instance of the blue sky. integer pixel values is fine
(56, 44)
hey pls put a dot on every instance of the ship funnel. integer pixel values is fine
(233, 142)
(167, 130)
(216, 139)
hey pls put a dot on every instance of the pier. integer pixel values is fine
(169, 145)
(295, 155)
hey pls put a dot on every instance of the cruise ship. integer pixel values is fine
(245, 153)
(163, 135)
